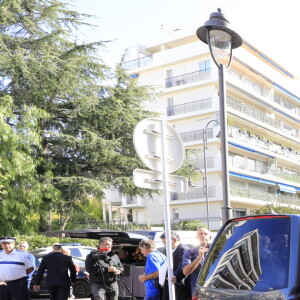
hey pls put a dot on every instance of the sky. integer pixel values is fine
(270, 25)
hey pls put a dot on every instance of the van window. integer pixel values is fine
(251, 254)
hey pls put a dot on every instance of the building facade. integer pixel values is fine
(263, 129)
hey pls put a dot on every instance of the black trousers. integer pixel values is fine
(59, 292)
(15, 290)
(182, 292)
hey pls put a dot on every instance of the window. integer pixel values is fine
(169, 73)
(237, 183)
(169, 80)
(250, 254)
(238, 161)
(170, 101)
(256, 187)
(235, 74)
(170, 106)
(251, 164)
(205, 66)
(238, 212)
(175, 214)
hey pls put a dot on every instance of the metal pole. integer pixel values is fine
(226, 209)
(205, 175)
(166, 196)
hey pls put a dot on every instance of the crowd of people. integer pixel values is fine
(104, 267)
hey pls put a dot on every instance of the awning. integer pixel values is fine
(287, 188)
(252, 178)
(249, 149)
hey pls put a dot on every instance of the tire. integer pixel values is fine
(81, 289)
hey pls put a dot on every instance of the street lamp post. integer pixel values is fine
(205, 166)
(221, 40)
(204, 178)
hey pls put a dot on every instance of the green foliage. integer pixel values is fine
(275, 208)
(21, 190)
(188, 225)
(189, 167)
(80, 116)
(40, 241)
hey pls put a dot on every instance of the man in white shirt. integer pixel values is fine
(14, 267)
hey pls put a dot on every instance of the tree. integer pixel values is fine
(86, 139)
(275, 208)
(21, 191)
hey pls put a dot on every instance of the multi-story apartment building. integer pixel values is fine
(263, 120)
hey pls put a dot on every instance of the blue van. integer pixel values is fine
(253, 257)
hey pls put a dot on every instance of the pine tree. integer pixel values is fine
(20, 187)
(86, 112)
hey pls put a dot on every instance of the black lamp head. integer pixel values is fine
(217, 21)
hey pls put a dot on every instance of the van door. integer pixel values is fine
(250, 257)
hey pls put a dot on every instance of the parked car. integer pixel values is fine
(254, 257)
(81, 289)
(77, 250)
(187, 237)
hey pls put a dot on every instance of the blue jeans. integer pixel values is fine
(156, 297)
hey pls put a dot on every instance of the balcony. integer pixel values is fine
(195, 135)
(134, 201)
(261, 116)
(138, 63)
(262, 142)
(263, 196)
(287, 176)
(194, 193)
(262, 91)
(261, 168)
(187, 78)
(189, 107)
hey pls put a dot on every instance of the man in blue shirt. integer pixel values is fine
(154, 261)
(24, 246)
(193, 258)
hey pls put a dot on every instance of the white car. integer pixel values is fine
(76, 250)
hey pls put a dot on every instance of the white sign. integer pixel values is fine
(147, 143)
(154, 180)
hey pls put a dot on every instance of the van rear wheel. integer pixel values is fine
(81, 289)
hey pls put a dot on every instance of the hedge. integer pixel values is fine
(41, 241)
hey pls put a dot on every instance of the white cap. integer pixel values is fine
(7, 239)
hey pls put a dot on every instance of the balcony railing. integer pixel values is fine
(131, 200)
(261, 116)
(186, 78)
(262, 91)
(251, 112)
(261, 168)
(138, 63)
(287, 176)
(189, 107)
(254, 140)
(264, 196)
(194, 193)
(195, 135)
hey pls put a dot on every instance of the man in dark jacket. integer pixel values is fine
(182, 291)
(103, 266)
(57, 280)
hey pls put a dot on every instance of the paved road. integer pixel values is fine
(47, 298)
